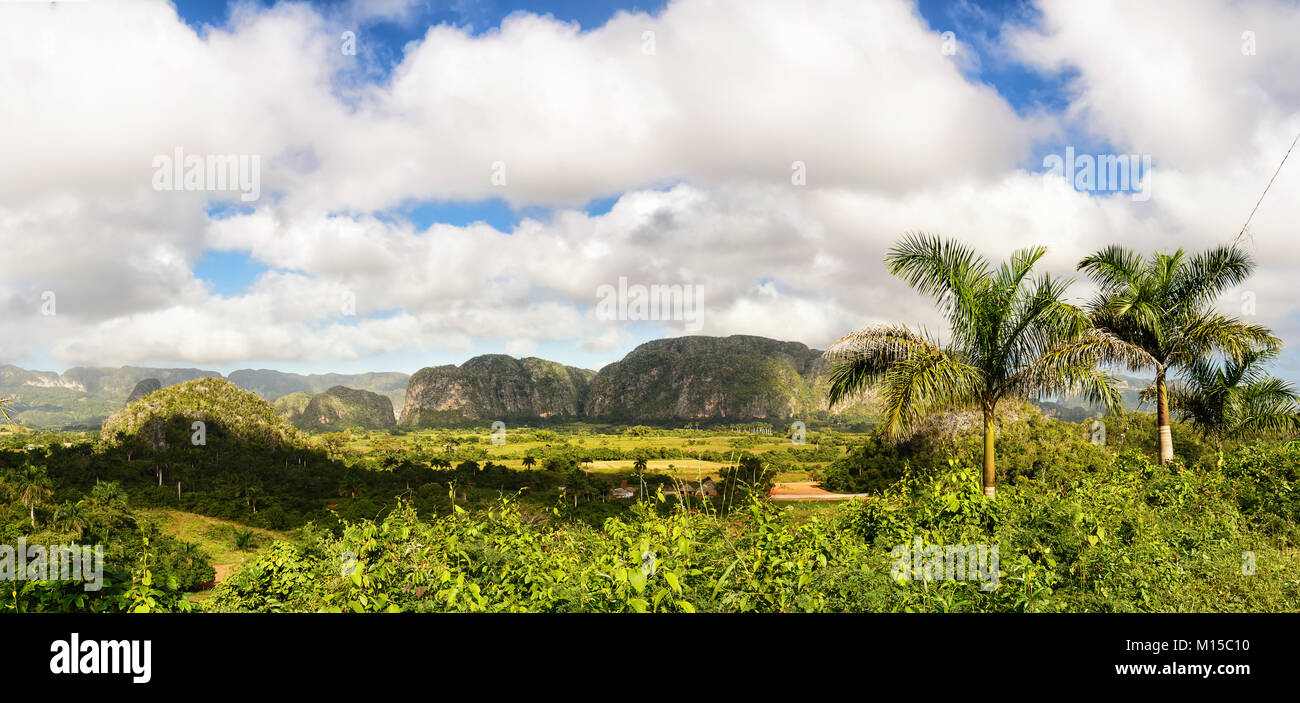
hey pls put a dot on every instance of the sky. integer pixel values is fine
(427, 180)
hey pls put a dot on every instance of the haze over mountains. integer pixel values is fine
(694, 378)
(83, 397)
(338, 408)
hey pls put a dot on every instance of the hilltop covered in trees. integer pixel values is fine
(166, 417)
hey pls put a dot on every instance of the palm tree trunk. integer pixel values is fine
(1162, 419)
(990, 470)
(32, 507)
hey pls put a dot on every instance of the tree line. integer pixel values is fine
(1014, 334)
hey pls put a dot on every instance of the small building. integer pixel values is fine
(708, 488)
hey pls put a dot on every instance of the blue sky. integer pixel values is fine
(482, 15)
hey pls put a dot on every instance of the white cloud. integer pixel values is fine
(521, 347)
(698, 137)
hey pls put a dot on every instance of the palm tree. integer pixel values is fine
(1162, 309)
(1010, 337)
(73, 517)
(109, 494)
(189, 551)
(1235, 400)
(244, 538)
(639, 467)
(530, 461)
(32, 486)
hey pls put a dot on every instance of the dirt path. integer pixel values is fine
(799, 488)
(807, 490)
(223, 571)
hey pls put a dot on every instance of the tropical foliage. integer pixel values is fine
(1161, 309)
(1012, 336)
(1130, 536)
(1090, 516)
(1237, 398)
(167, 417)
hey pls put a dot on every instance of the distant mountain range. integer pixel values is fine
(339, 408)
(275, 384)
(1076, 409)
(84, 396)
(680, 379)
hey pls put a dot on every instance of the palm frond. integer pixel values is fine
(946, 270)
(1073, 367)
(1204, 276)
(911, 372)
(1113, 268)
(1211, 332)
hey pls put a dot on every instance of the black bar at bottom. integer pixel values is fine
(934, 653)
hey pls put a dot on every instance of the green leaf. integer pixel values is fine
(671, 578)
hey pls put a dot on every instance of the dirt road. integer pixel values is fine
(798, 491)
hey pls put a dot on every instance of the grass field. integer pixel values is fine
(216, 537)
(522, 442)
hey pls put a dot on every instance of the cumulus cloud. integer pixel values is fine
(1207, 89)
(694, 118)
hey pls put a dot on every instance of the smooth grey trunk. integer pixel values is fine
(990, 468)
(1162, 419)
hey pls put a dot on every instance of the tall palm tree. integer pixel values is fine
(639, 467)
(1162, 308)
(32, 486)
(1011, 336)
(1237, 399)
(109, 494)
(73, 517)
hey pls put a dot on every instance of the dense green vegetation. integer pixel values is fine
(1013, 336)
(1193, 508)
(1080, 526)
(1028, 442)
(144, 569)
(1129, 536)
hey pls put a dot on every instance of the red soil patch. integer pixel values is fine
(807, 490)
